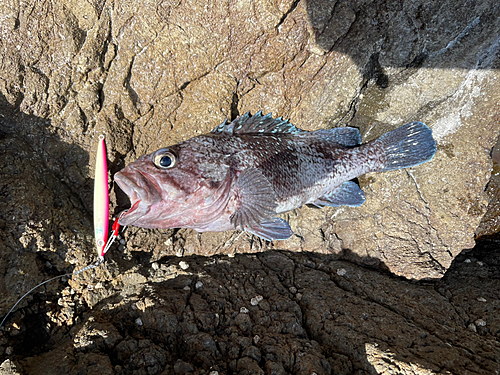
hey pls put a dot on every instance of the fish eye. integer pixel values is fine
(165, 159)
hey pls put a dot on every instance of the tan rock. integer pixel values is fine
(150, 74)
(153, 74)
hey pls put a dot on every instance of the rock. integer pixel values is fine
(182, 367)
(490, 223)
(9, 368)
(362, 319)
(156, 73)
(95, 68)
(96, 337)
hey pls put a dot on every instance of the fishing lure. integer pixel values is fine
(101, 220)
(101, 204)
(101, 199)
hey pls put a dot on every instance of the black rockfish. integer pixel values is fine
(245, 172)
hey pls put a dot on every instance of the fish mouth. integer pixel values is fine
(141, 192)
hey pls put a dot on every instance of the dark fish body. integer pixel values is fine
(245, 172)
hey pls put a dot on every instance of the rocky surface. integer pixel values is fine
(149, 74)
(152, 74)
(268, 313)
(490, 223)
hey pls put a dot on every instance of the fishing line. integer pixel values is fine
(97, 263)
(90, 266)
(101, 220)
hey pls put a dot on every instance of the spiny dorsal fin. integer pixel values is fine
(257, 124)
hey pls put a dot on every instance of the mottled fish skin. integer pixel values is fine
(245, 172)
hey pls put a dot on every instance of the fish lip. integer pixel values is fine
(141, 191)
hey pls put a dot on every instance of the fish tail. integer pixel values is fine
(407, 146)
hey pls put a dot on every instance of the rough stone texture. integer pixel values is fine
(152, 74)
(275, 313)
(490, 223)
(149, 74)
(8, 368)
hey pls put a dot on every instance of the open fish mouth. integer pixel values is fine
(142, 195)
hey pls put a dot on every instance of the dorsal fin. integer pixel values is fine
(346, 136)
(257, 124)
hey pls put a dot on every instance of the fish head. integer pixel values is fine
(169, 186)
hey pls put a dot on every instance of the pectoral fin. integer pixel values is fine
(257, 205)
(347, 194)
(255, 199)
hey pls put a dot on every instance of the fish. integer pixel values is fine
(247, 171)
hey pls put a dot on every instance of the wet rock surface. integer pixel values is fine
(172, 301)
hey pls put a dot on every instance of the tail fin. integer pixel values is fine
(409, 145)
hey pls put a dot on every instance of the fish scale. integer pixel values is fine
(246, 171)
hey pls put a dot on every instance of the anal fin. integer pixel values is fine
(347, 194)
(272, 229)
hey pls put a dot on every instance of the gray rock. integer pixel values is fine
(362, 320)
(9, 368)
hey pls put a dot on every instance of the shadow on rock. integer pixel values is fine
(45, 205)
(273, 312)
(281, 312)
(396, 34)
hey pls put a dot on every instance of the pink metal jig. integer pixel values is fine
(101, 199)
